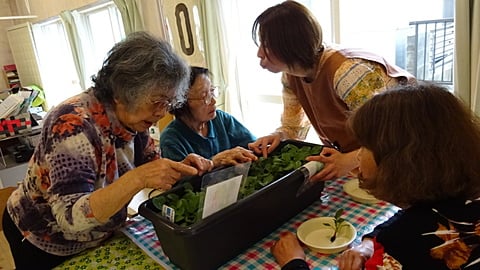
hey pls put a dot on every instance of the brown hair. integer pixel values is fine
(425, 142)
(290, 32)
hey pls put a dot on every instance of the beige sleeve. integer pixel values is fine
(295, 123)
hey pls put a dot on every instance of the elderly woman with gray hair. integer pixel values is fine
(95, 154)
(199, 127)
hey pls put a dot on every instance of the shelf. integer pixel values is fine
(11, 75)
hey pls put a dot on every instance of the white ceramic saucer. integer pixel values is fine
(357, 194)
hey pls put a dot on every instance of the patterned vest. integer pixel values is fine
(326, 110)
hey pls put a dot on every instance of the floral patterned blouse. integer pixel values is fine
(83, 148)
(441, 235)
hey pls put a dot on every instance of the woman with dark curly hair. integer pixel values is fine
(420, 150)
(95, 154)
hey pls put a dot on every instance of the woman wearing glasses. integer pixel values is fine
(95, 154)
(202, 129)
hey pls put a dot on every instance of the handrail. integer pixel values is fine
(433, 49)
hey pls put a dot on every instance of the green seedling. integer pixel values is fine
(337, 224)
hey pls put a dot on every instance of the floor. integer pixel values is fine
(6, 260)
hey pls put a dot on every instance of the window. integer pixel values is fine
(98, 27)
(418, 39)
(58, 74)
(431, 51)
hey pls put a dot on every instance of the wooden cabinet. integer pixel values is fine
(11, 75)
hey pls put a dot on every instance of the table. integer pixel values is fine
(120, 252)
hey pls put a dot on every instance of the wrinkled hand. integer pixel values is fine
(355, 258)
(336, 164)
(287, 248)
(202, 164)
(265, 145)
(162, 173)
(233, 156)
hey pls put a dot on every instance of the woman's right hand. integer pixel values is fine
(202, 164)
(355, 258)
(265, 145)
(162, 173)
(233, 156)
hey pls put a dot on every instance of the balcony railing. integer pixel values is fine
(431, 50)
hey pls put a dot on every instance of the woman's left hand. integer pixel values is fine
(336, 164)
(233, 156)
(202, 164)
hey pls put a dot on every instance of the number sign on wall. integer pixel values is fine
(184, 28)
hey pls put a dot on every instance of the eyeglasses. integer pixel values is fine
(207, 99)
(161, 104)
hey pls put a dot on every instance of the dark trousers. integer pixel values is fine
(26, 255)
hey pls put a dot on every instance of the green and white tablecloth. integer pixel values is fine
(119, 252)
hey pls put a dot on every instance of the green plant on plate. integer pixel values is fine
(337, 224)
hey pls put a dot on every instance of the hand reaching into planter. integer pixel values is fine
(265, 145)
(233, 156)
(202, 164)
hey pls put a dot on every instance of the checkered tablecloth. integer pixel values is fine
(363, 217)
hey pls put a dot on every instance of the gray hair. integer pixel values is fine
(137, 68)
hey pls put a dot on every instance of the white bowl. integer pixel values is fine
(316, 235)
(358, 194)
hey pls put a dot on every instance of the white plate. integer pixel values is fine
(316, 235)
(351, 188)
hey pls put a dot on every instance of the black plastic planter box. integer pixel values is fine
(213, 241)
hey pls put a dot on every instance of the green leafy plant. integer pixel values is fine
(337, 224)
(186, 206)
(265, 170)
(261, 173)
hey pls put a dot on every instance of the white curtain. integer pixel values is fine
(467, 52)
(216, 52)
(74, 38)
(234, 100)
(132, 19)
